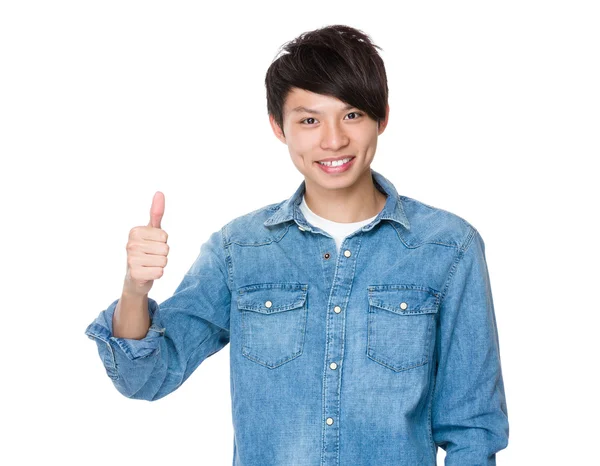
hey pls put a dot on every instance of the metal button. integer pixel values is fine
(268, 304)
(337, 309)
(347, 253)
(329, 421)
(326, 255)
(403, 305)
(333, 365)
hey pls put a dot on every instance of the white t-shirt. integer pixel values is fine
(336, 229)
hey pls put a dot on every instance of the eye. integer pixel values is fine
(355, 113)
(358, 114)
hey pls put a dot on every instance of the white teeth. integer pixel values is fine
(336, 163)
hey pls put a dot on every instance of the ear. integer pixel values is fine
(383, 123)
(276, 129)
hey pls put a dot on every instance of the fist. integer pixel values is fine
(147, 251)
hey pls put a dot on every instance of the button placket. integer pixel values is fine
(345, 268)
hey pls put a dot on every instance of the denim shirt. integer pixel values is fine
(376, 355)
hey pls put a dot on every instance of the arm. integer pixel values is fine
(131, 318)
(469, 414)
(188, 327)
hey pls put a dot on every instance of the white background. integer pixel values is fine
(494, 116)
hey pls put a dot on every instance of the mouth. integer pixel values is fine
(339, 165)
(336, 162)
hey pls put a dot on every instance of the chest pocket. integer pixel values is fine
(273, 321)
(401, 322)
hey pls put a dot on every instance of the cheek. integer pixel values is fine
(302, 144)
(299, 162)
(366, 141)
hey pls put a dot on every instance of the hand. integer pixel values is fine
(147, 251)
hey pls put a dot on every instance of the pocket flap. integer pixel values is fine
(267, 298)
(405, 299)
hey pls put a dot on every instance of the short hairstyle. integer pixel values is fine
(336, 60)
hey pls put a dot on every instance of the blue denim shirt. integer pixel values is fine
(376, 356)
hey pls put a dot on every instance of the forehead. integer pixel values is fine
(301, 100)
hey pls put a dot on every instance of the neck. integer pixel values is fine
(351, 204)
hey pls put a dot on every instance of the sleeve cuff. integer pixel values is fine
(101, 330)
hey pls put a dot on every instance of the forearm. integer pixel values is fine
(131, 319)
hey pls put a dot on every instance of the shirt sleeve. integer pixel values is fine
(185, 329)
(469, 413)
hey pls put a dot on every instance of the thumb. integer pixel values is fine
(157, 210)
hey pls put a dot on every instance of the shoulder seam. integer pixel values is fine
(461, 253)
(228, 260)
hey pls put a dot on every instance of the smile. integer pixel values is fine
(337, 166)
(336, 163)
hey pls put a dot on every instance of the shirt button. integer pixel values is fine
(333, 365)
(329, 421)
(403, 305)
(268, 303)
(347, 253)
(337, 309)
(326, 255)
(300, 228)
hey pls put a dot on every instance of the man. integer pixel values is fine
(361, 321)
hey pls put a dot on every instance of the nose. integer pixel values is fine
(333, 137)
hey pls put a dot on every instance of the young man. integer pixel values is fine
(361, 321)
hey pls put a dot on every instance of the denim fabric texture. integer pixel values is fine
(373, 356)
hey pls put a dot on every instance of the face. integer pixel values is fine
(318, 127)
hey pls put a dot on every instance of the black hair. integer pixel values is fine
(336, 60)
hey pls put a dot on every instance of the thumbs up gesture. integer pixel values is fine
(147, 251)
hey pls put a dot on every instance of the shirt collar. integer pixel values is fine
(392, 210)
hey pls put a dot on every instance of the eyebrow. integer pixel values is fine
(310, 110)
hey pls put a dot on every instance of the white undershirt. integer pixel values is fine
(338, 230)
